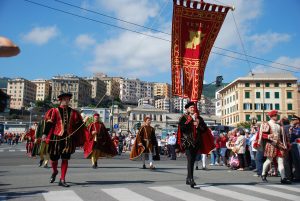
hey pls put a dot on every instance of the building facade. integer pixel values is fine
(22, 92)
(98, 89)
(131, 90)
(43, 89)
(255, 95)
(112, 86)
(162, 90)
(164, 104)
(80, 89)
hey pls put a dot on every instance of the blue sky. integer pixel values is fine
(54, 43)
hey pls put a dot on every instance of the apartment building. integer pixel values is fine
(162, 90)
(255, 95)
(22, 92)
(43, 89)
(80, 88)
(98, 89)
(131, 90)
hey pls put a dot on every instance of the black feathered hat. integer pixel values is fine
(189, 104)
(64, 94)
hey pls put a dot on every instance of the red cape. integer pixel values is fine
(105, 145)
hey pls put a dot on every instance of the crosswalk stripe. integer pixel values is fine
(12, 150)
(2, 197)
(173, 192)
(290, 188)
(269, 192)
(67, 195)
(124, 194)
(231, 193)
(1, 150)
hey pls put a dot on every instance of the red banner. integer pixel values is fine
(195, 27)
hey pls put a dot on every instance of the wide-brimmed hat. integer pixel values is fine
(295, 117)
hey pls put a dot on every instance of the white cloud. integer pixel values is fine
(263, 43)
(84, 41)
(293, 62)
(130, 10)
(243, 15)
(41, 35)
(132, 55)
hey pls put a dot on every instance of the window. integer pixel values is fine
(247, 117)
(277, 106)
(276, 85)
(267, 84)
(257, 84)
(258, 117)
(290, 117)
(247, 106)
(268, 118)
(289, 84)
(276, 94)
(257, 106)
(289, 94)
(247, 94)
(267, 94)
(290, 106)
(268, 106)
(257, 94)
(247, 84)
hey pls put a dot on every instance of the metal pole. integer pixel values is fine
(263, 102)
(30, 119)
(128, 123)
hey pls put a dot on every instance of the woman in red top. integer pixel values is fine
(222, 144)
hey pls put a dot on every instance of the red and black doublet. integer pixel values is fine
(65, 131)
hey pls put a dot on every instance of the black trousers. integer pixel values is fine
(173, 153)
(241, 158)
(191, 158)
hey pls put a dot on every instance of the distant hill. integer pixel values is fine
(3, 82)
(209, 91)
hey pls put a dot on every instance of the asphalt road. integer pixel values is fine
(119, 178)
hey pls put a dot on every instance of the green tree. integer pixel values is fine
(245, 124)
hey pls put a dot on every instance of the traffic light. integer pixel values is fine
(219, 80)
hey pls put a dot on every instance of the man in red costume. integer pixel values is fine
(192, 136)
(30, 138)
(275, 140)
(99, 142)
(65, 131)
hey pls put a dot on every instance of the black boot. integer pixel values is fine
(193, 183)
(41, 163)
(188, 181)
(264, 178)
(197, 168)
(144, 166)
(53, 176)
(285, 181)
(96, 164)
(63, 183)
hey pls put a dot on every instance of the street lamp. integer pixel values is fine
(128, 116)
(32, 105)
(111, 122)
